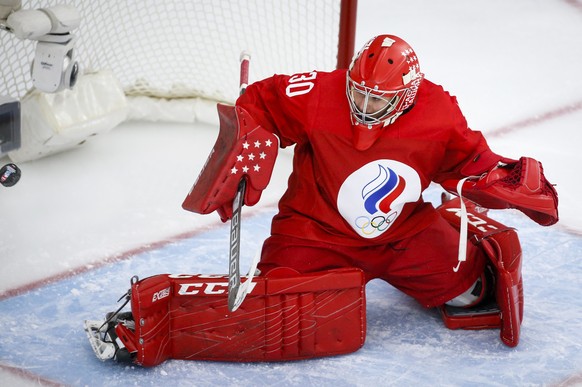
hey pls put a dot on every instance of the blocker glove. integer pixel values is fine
(243, 150)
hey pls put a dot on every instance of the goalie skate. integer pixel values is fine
(104, 340)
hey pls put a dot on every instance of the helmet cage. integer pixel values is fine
(393, 101)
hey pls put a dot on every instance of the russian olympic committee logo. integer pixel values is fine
(372, 197)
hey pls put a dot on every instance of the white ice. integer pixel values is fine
(507, 62)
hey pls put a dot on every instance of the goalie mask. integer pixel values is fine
(381, 84)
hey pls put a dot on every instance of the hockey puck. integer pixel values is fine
(9, 175)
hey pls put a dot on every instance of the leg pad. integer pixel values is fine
(286, 316)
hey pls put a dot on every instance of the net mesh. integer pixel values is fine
(177, 49)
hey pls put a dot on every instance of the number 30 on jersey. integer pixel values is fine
(300, 84)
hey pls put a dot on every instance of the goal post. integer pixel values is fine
(165, 60)
(347, 33)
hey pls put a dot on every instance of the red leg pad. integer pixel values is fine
(504, 251)
(502, 247)
(285, 317)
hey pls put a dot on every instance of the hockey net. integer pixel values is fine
(167, 61)
(190, 48)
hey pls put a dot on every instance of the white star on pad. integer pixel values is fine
(248, 161)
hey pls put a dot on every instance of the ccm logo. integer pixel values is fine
(161, 294)
(474, 220)
(209, 288)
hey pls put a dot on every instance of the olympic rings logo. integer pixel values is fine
(378, 223)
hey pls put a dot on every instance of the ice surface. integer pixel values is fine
(111, 209)
(406, 344)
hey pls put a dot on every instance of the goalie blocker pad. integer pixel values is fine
(520, 185)
(286, 316)
(502, 247)
(243, 149)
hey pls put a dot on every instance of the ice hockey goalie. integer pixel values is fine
(368, 141)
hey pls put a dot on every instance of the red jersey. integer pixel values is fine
(340, 195)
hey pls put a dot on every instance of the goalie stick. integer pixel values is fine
(236, 292)
(234, 252)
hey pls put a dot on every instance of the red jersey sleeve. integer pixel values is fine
(283, 105)
(467, 152)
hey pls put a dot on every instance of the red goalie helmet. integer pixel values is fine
(381, 84)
